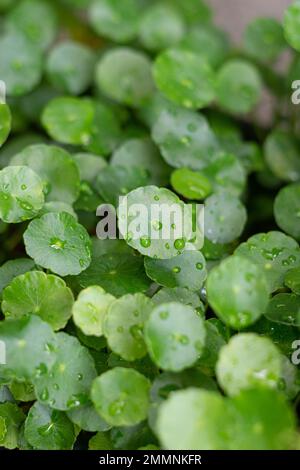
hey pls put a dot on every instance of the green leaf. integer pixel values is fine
(226, 174)
(292, 280)
(194, 11)
(90, 310)
(121, 396)
(87, 418)
(160, 27)
(214, 341)
(69, 120)
(40, 294)
(246, 362)
(142, 214)
(13, 268)
(239, 86)
(105, 132)
(56, 169)
(57, 242)
(21, 194)
(175, 336)
(225, 218)
(185, 78)
(70, 67)
(117, 273)
(190, 184)
(89, 166)
(237, 291)
(197, 412)
(124, 323)
(262, 420)
(3, 429)
(13, 417)
(115, 20)
(186, 270)
(47, 429)
(281, 151)
(263, 39)
(67, 384)
(178, 294)
(284, 308)
(274, 252)
(283, 336)
(22, 391)
(185, 138)
(100, 441)
(209, 42)
(26, 18)
(115, 181)
(143, 153)
(124, 75)
(21, 64)
(5, 122)
(287, 210)
(56, 206)
(29, 344)
(291, 24)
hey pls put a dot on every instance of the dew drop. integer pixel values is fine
(156, 198)
(176, 269)
(179, 244)
(79, 377)
(164, 315)
(136, 331)
(56, 387)
(167, 246)
(199, 266)
(57, 243)
(23, 187)
(145, 242)
(185, 140)
(26, 206)
(82, 262)
(157, 225)
(116, 407)
(45, 394)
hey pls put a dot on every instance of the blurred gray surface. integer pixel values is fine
(233, 15)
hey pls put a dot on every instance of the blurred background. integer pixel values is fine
(234, 15)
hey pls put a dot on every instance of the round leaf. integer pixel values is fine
(121, 396)
(124, 323)
(186, 270)
(263, 39)
(284, 308)
(239, 86)
(47, 429)
(175, 336)
(115, 20)
(90, 309)
(248, 361)
(185, 78)
(70, 67)
(56, 169)
(67, 384)
(41, 294)
(291, 24)
(287, 210)
(69, 120)
(237, 291)
(184, 139)
(57, 242)
(125, 75)
(21, 194)
(225, 218)
(274, 252)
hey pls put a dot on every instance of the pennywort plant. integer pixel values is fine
(148, 341)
